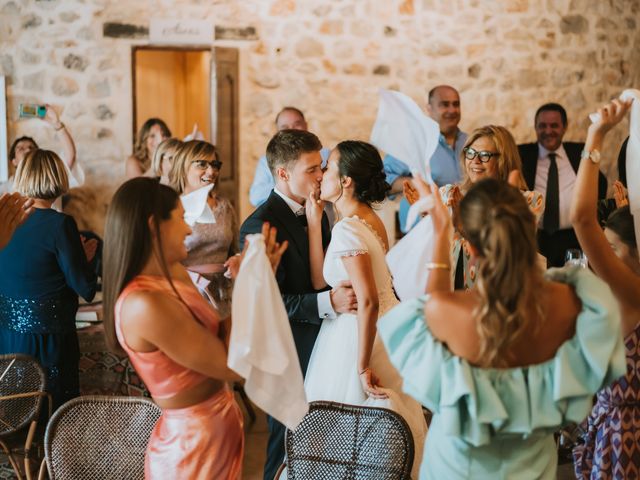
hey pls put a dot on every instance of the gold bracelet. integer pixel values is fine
(59, 128)
(437, 266)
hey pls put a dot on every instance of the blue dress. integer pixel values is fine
(499, 423)
(43, 269)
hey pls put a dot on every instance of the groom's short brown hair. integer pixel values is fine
(286, 146)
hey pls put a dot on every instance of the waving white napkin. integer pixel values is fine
(633, 156)
(403, 131)
(196, 207)
(261, 346)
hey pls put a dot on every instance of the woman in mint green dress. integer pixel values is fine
(502, 365)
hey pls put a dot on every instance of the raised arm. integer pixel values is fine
(153, 320)
(132, 168)
(313, 211)
(68, 147)
(623, 282)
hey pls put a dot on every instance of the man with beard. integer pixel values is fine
(444, 108)
(550, 167)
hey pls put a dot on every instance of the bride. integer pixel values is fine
(349, 363)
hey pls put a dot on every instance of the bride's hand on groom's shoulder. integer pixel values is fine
(343, 298)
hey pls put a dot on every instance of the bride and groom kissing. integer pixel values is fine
(335, 284)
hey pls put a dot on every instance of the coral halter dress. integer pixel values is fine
(203, 441)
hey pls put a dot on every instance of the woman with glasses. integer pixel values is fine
(490, 152)
(214, 237)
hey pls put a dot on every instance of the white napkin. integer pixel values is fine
(261, 347)
(403, 131)
(196, 207)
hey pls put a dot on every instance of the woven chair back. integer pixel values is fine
(100, 437)
(349, 442)
(19, 374)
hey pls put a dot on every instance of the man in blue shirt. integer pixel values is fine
(288, 118)
(444, 108)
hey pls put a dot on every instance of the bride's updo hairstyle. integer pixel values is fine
(361, 161)
(498, 223)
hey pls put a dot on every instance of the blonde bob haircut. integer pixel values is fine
(42, 175)
(167, 148)
(189, 152)
(508, 158)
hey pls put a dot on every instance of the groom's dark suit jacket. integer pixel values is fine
(553, 246)
(300, 298)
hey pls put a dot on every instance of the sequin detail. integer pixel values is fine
(22, 315)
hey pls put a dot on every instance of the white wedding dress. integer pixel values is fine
(333, 373)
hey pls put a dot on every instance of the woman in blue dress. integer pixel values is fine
(504, 364)
(44, 269)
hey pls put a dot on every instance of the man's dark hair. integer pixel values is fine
(286, 146)
(552, 107)
(289, 109)
(12, 150)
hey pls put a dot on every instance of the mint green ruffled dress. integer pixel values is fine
(499, 423)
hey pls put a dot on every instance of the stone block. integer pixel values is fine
(64, 86)
(103, 112)
(236, 33)
(322, 10)
(68, 17)
(574, 24)
(124, 30)
(406, 8)
(309, 47)
(34, 82)
(10, 8)
(390, 31)
(28, 57)
(630, 23)
(6, 67)
(98, 87)
(280, 8)
(354, 69)
(331, 27)
(75, 62)
(329, 66)
(440, 49)
(381, 70)
(31, 21)
(474, 70)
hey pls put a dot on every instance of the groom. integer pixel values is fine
(295, 163)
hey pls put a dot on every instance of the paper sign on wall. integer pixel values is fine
(182, 32)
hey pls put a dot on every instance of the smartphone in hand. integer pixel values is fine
(28, 110)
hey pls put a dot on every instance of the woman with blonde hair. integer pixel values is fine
(44, 269)
(163, 158)
(504, 364)
(212, 218)
(152, 132)
(489, 152)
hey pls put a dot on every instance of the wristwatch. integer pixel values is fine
(593, 155)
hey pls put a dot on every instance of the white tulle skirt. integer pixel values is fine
(333, 375)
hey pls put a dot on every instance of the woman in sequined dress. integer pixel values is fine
(212, 242)
(611, 446)
(44, 269)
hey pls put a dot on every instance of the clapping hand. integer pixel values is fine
(410, 193)
(14, 209)
(274, 251)
(439, 214)
(620, 194)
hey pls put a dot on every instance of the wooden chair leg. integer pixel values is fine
(12, 460)
(42, 474)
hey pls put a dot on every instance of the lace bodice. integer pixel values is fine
(353, 236)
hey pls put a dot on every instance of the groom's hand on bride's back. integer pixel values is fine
(343, 298)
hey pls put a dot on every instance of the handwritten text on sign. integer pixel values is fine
(183, 32)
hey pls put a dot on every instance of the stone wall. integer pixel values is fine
(326, 57)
